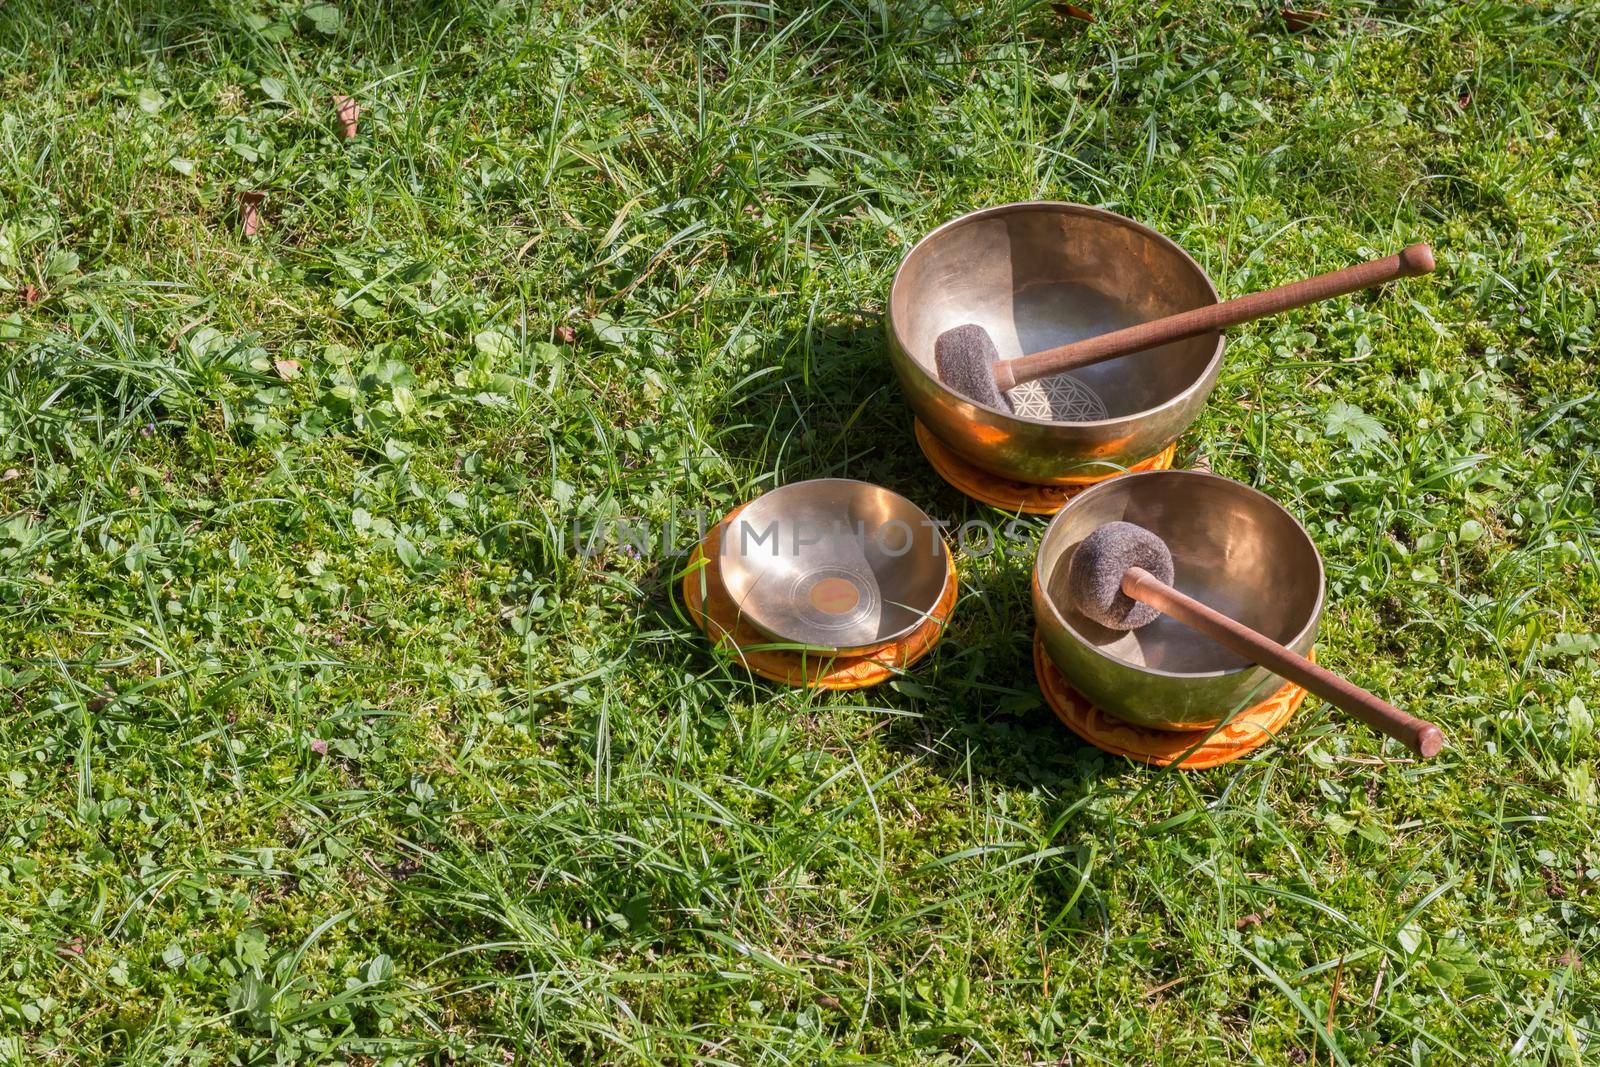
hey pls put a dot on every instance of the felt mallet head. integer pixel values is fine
(1094, 575)
(963, 356)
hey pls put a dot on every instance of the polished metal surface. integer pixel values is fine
(834, 564)
(1041, 274)
(1233, 548)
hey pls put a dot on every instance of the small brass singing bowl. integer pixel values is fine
(835, 565)
(1035, 275)
(1232, 547)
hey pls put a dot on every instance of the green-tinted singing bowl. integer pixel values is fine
(1041, 274)
(1233, 548)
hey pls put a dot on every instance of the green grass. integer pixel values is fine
(319, 743)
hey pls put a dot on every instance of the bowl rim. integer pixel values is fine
(1105, 486)
(880, 642)
(1063, 207)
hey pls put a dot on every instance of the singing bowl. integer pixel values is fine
(1232, 547)
(834, 564)
(1036, 275)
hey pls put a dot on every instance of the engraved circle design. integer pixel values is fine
(836, 598)
(1058, 398)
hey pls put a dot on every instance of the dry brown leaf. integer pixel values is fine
(349, 113)
(1300, 21)
(250, 212)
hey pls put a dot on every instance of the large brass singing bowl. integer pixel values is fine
(834, 564)
(1040, 274)
(1232, 548)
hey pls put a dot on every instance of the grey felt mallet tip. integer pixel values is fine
(962, 355)
(1094, 574)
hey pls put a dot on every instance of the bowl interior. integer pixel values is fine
(834, 563)
(1232, 548)
(1039, 275)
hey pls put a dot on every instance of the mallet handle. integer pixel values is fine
(1419, 736)
(1412, 260)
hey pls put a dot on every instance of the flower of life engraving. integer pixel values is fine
(1058, 398)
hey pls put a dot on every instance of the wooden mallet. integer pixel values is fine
(968, 362)
(1121, 577)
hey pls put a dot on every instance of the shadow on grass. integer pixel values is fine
(971, 708)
